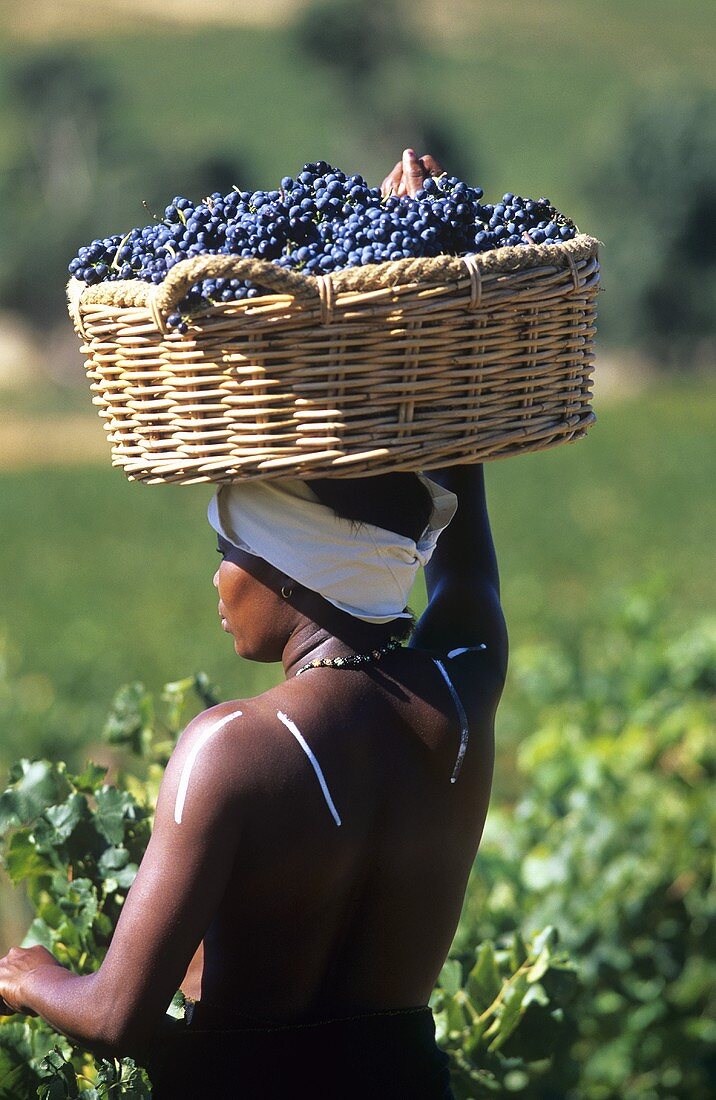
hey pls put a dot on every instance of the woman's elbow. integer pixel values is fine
(125, 1034)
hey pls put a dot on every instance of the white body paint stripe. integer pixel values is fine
(293, 728)
(465, 649)
(464, 728)
(191, 759)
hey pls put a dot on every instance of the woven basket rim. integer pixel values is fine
(233, 399)
(161, 298)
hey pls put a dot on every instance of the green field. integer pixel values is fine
(107, 581)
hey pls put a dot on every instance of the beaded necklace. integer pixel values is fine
(351, 660)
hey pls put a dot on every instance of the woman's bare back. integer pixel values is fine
(320, 918)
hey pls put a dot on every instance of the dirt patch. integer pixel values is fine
(40, 20)
(51, 441)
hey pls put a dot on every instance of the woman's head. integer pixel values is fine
(251, 606)
(363, 568)
(396, 502)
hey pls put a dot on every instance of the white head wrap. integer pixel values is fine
(358, 567)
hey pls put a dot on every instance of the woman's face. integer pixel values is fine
(257, 618)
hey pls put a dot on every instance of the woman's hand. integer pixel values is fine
(409, 174)
(15, 968)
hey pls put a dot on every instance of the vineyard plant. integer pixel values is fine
(584, 962)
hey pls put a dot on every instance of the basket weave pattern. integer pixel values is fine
(397, 366)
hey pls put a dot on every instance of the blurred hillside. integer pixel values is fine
(107, 110)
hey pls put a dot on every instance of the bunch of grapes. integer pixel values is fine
(320, 222)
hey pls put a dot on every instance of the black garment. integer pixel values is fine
(377, 1056)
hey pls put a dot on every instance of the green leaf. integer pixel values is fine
(177, 1008)
(23, 860)
(535, 994)
(135, 1082)
(41, 933)
(65, 817)
(61, 1079)
(454, 1017)
(510, 1013)
(518, 951)
(16, 1078)
(474, 1041)
(547, 938)
(174, 696)
(37, 784)
(108, 1073)
(115, 866)
(91, 778)
(131, 719)
(449, 1016)
(80, 904)
(483, 981)
(450, 977)
(115, 809)
(540, 966)
(113, 859)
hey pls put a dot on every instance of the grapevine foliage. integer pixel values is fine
(500, 1012)
(75, 842)
(612, 842)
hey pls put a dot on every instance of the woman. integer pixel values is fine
(312, 845)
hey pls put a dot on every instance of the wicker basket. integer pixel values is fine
(396, 366)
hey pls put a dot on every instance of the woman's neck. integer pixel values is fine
(309, 642)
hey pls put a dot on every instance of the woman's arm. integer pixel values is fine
(462, 578)
(176, 893)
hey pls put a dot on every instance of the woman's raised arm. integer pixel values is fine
(462, 578)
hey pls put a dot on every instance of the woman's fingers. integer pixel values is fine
(431, 166)
(14, 969)
(392, 182)
(410, 173)
(413, 173)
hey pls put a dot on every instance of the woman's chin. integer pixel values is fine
(263, 654)
(238, 647)
(243, 649)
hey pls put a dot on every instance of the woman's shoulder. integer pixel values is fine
(236, 735)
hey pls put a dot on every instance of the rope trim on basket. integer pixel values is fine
(328, 298)
(573, 269)
(75, 290)
(158, 317)
(163, 298)
(475, 281)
